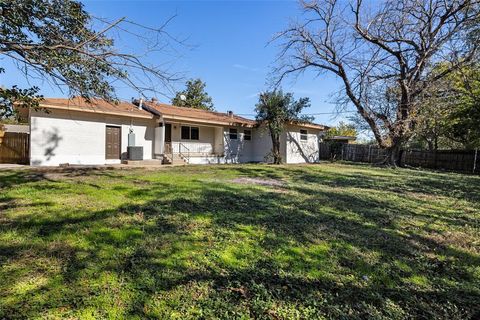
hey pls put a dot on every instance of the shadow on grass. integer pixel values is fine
(336, 254)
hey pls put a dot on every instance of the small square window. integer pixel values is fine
(303, 134)
(247, 135)
(185, 133)
(194, 133)
(233, 134)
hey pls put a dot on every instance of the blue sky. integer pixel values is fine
(230, 51)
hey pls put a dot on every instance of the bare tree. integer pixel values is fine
(382, 51)
(57, 40)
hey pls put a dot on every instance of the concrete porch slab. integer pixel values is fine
(142, 163)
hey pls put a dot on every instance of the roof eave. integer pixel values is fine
(198, 120)
(93, 110)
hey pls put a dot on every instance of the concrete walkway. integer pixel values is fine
(148, 166)
(9, 166)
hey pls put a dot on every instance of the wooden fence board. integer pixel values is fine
(14, 148)
(454, 160)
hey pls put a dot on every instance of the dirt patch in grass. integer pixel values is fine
(260, 181)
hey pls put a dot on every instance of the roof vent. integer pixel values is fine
(230, 113)
(154, 100)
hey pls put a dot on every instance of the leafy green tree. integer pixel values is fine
(56, 40)
(275, 109)
(342, 129)
(463, 118)
(23, 97)
(450, 113)
(194, 96)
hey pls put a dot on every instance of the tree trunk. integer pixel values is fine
(277, 158)
(394, 155)
(430, 145)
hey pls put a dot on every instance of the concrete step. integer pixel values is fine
(175, 160)
(142, 162)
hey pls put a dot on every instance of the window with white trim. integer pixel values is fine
(247, 135)
(233, 134)
(303, 134)
(190, 133)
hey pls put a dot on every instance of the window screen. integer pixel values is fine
(194, 133)
(185, 133)
(303, 134)
(233, 134)
(247, 135)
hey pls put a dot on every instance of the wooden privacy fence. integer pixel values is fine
(455, 160)
(14, 147)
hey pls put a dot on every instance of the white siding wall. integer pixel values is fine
(263, 145)
(292, 149)
(238, 150)
(301, 151)
(79, 138)
(218, 141)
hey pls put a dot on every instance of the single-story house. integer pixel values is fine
(74, 131)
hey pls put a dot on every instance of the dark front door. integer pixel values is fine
(112, 143)
(168, 132)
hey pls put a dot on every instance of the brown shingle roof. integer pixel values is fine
(170, 112)
(96, 106)
(309, 125)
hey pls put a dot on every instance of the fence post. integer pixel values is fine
(475, 160)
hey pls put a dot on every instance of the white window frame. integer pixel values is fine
(245, 134)
(230, 133)
(189, 133)
(303, 135)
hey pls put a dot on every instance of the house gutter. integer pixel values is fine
(93, 110)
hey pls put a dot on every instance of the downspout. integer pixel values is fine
(30, 136)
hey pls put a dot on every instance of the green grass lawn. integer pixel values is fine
(252, 241)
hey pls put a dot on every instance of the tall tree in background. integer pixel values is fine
(275, 109)
(56, 40)
(462, 122)
(194, 96)
(342, 129)
(382, 52)
(450, 112)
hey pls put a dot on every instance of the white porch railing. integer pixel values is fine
(193, 147)
(184, 152)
